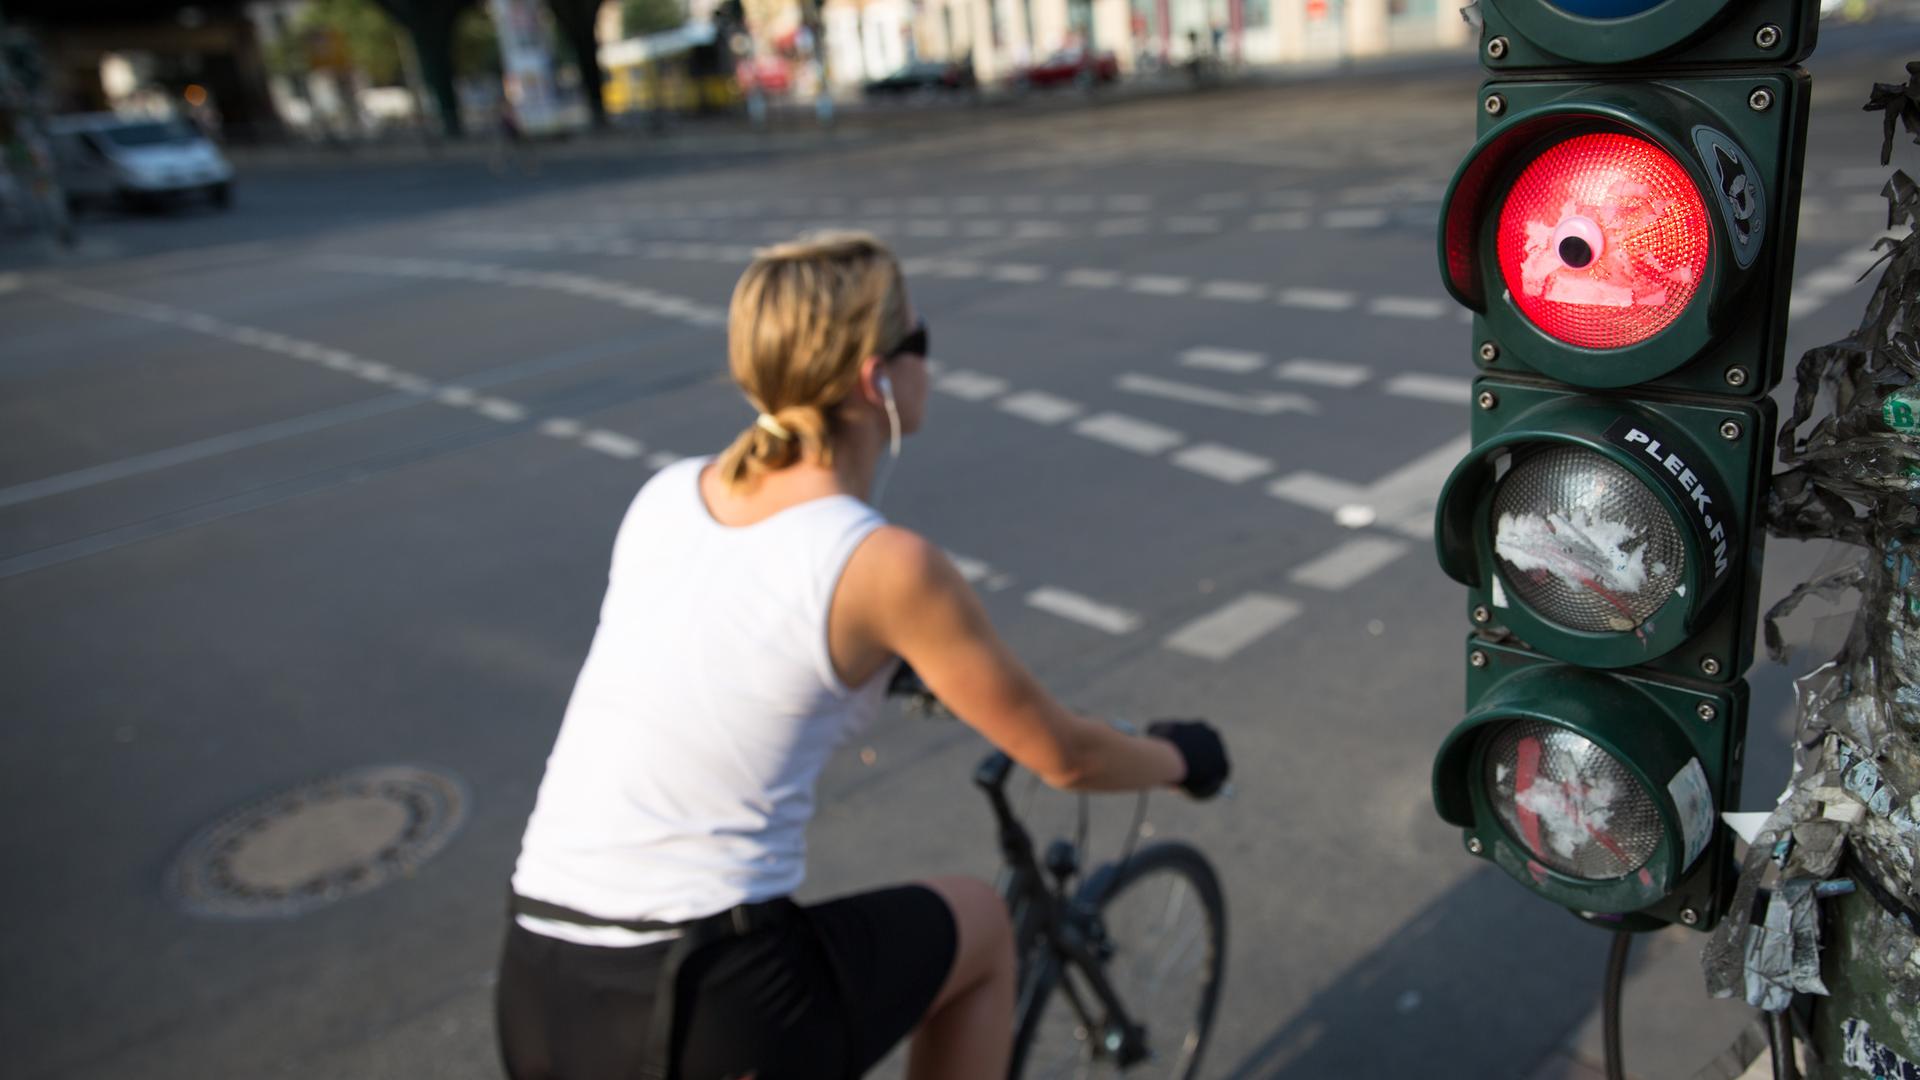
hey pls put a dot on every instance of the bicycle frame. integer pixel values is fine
(1053, 933)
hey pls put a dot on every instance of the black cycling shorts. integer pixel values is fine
(766, 1006)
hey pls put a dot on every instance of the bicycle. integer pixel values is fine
(1082, 978)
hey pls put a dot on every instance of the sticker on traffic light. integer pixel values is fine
(1610, 533)
(1609, 234)
(1595, 789)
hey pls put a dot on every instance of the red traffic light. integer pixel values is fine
(1603, 240)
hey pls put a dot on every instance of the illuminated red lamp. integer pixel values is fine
(1603, 240)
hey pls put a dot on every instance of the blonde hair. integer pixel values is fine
(803, 317)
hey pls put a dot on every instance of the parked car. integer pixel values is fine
(106, 157)
(924, 77)
(1076, 67)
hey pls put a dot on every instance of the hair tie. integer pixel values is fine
(775, 428)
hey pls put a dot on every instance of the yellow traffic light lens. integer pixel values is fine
(1574, 807)
(1603, 240)
(1583, 543)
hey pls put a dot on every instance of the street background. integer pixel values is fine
(331, 481)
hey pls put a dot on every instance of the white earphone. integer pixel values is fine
(885, 386)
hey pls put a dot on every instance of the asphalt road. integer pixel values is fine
(330, 481)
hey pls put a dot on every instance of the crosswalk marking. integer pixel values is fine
(1092, 279)
(1121, 227)
(1211, 358)
(1221, 633)
(1129, 433)
(1350, 562)
(1080, 609)
(1283, 221)
(971, 385)
(1159, 284)
(1407, 307)
(1439, 388)
(1222, 462)
(611, 444)
(1316, 299)
(1246, 292)
(1040, 407)
(1323, 372)
(1354, 219)
(1257, 404)
(1402, 500)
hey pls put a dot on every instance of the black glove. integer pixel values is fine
(1200, 747)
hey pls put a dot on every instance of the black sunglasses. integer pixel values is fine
(915, 343)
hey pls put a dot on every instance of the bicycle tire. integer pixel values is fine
(1051, 1041)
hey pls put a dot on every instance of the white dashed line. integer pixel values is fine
(562, 427)
(1221, 462)
(1316, 299)
(971, 385)
(1348, 563)
(1407, 307)
(1246, 292)
(1323, 373)
(1222, 633)
(611, 443)
(660, 459)
(502, 410)
(1402, 500)
(1092, 279)
(1077, 608)
(1354, 219)
(1018, 272)
(1040, 407)
(1121, 227)
(457, 396)
(1257, 404)
(1237, 361)
(1285, 221)
(1159, 284)
(1129, 433)
(1441, 388)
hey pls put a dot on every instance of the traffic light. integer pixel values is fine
(1622, 232)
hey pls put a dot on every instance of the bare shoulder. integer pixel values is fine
(900, 560)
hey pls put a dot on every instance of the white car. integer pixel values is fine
(101, 156)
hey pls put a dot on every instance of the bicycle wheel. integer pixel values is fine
(1163, 921)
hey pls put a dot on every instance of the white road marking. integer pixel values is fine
(1348, 563)
(1077, 608)
(1018, 272)
(1121, 227)
(1246, 292)
(1193, 224)
(1159, 284)
(1285, 221)
(1441, 388)
(1227, 200)
(1323, 372)
(1129, 433)
(1402, 500)
(1257, 404)
(457, 396)
(1221, 462)
(1407, 307)
(971, 385)
(1041, 407)
(982, 228)
(1038, 230)
(660, 459)
(1316, 299)
(500, 409)
(562, 427)
(1292, 199)
(1354, 219)
(1092, 279)
(1224, 632)
(611, 443)
(1237, 361)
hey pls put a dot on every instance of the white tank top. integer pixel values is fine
(681, 782)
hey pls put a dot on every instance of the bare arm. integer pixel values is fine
(914, 604)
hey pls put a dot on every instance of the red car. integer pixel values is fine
(1075, 67)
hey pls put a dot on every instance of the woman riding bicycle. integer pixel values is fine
(756, 608)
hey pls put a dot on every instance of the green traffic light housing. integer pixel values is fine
(1609, 532)
(1609, 233)
(1556, 33)
(1597, 790)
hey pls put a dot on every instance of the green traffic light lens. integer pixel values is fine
(1574, 807)
(1583, 543)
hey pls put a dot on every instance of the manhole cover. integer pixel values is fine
(320, 842)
